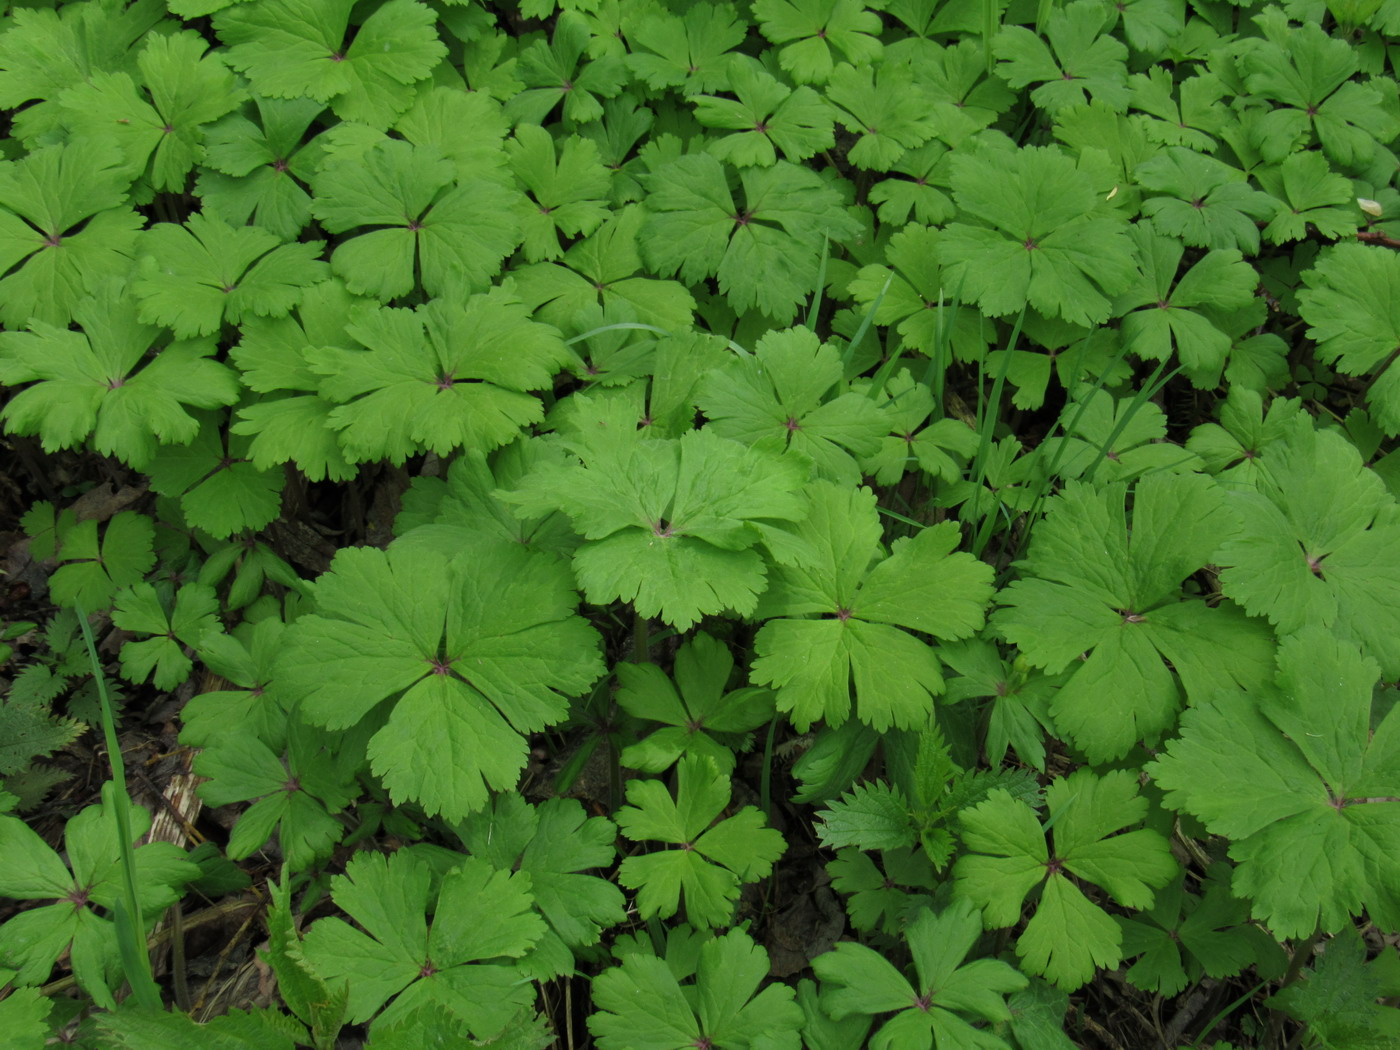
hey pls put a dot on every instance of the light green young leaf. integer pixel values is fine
(1076, 56)
(814, 35)
(765, 117)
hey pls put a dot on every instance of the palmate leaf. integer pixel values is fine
(863, 600)
(690, 52)
(84, 885)
(887, 111)
(554, 843)
(1162, 318)
(481, 920)
(219, 490)
(470, 653)
(780, 396)
(1084, 59)
(159, 119)
(65, 230)
(697, 705)
(765, 117)
(669, 524)
(1069, 936)
(712, 859)
(108, 383)
(1044, 237)
(422, 222)
(1307, 74)
(295, 48)
(259, 171)
(950, 994)
(44, 51)
(1205, 202)
(448, 375)
(1319, 544)
(765, 252)
(603, 271)
(173, 623)
(1352, 307)
(195, 276)
(1092, 585)
(641, 1004)
(816, 34)
(1304, 789)
(565, 194)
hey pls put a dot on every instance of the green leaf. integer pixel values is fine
(451, 374)
(196, 276)
(159, 119)
(1069, 936)
(864, 600)
(1163, 318)
(77, 923)
(482, 918)
(764, 118)
(472, 653)
(711, 861)
(1350, 306)
(554, 843)
(1072, 61)
(1308, 194)
(1301, 786)
(1044, 237)
(283, 47)
(886, 110)
(700, 706)
(1093, 585)
(1203, 201)
(259, 171)
(424, 223)
(949, 990)
(1319, 545)
(689, 52)
(1338, 999)
(140, 608)
(88, 385)
(816, 34)
(304, 991)
(642, 1006)
(873, 816)
(145, 1028)
(219, 490)
(779, 397)
(765, 252)
(666, 525)
(566, 195)
(65, 230)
